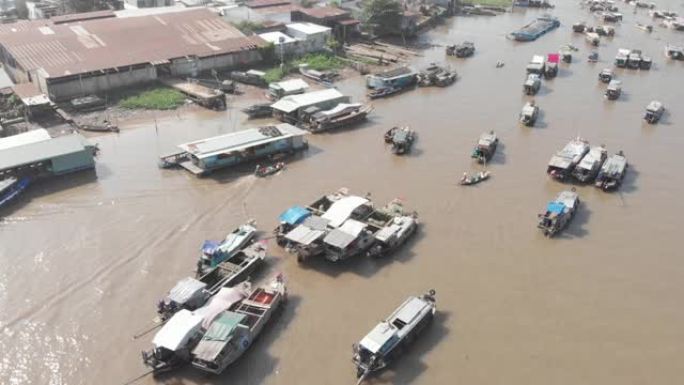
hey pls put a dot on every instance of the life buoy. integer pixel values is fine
(244, 343)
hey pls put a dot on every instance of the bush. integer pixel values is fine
(157, 98)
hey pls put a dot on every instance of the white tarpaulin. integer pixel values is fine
(221, 302)
(178, 330)
(342, 209)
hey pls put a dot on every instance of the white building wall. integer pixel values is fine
(99, 84)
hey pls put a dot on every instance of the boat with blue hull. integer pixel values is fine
(12, 187)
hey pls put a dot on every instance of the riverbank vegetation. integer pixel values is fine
(319, 62)
(153, 98)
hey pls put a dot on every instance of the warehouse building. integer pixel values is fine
(85, 57)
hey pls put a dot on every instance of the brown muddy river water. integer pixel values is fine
(85, 260)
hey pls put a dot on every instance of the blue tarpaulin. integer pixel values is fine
(294, 215)
(210, 247)
(555, 207)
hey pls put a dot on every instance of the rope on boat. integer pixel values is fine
(147, 331)
(140, 377)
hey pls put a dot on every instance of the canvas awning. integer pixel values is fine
(342, 209)
(178, 330)
(294, 215)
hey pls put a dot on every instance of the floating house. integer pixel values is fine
(204, 156)
(401, 77)
(287, 87)
(36, 154)
(290, 108)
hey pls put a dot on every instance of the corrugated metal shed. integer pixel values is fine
(45, 150)
(92, 45)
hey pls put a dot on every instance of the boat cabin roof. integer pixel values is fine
(615, 164)
(568, 198)
(594, 155)
(614, 85)
(176, 333)
(400, 136)
(654, 106)
(342, 209)
(304, 235)
(382, 335)
(529, 109)
(486, 139)
(217, 336)
(345, 234)
(186, 289)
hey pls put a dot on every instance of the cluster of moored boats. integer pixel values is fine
(210, 320)
(339, 226)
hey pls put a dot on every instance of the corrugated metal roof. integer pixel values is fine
(294, 102)
(186, 289)
(292, 85)
(238, 141)
(92, 45)
(304, 235)
(324, 12)
(40, 151)
(29, 137)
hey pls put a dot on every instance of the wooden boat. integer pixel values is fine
(564, 161)
(654, 111)
(384, 92)
(393, 235)
(189, 293)
(105, 127)
(606, 75)
(262, 110)
(468, 180)
(612, 172)
(342, 115)
(326, 77)
(587, 169)
(401, 139)
(213, 252)
(529, 114)
(11, 187)
(388, 339)
(559, 213)
(463, 50)
(264, 171)
(174, 342)
(614, 90)
(233, 331)
(532, 84)
(486, 147)
(674, 52)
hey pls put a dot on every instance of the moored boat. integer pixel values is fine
(393, 235)
(233, 331)
(654, 111)
(532, 84)
(564, 161)
(463, 50)
(401, 139)
(486, 147)
(190, 293)
(255, 111)
(559, 213)
(468, 180)
(342, 115)
(612, 172)
(264, 171)
(213, 252)
(529, 114)
(11, 187)
(587, 170)
(174, 342)
(388, 339)
(614, 90)
(606, 75)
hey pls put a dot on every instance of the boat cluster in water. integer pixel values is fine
(211, 319)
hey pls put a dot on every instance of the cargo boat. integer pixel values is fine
(190, 293)
(564, 161)
(213, 253)
(342, 115)
(559, 213)
(587, 170)
(233, 331)
(486, 147)
(388, 339)
(612, 172)
(536, 29)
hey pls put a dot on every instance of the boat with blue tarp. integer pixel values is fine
(559, 213)
(215, 252)
(288, 220)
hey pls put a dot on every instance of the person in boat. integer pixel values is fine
(465, 177)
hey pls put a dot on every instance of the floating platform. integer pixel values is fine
(536, 29)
